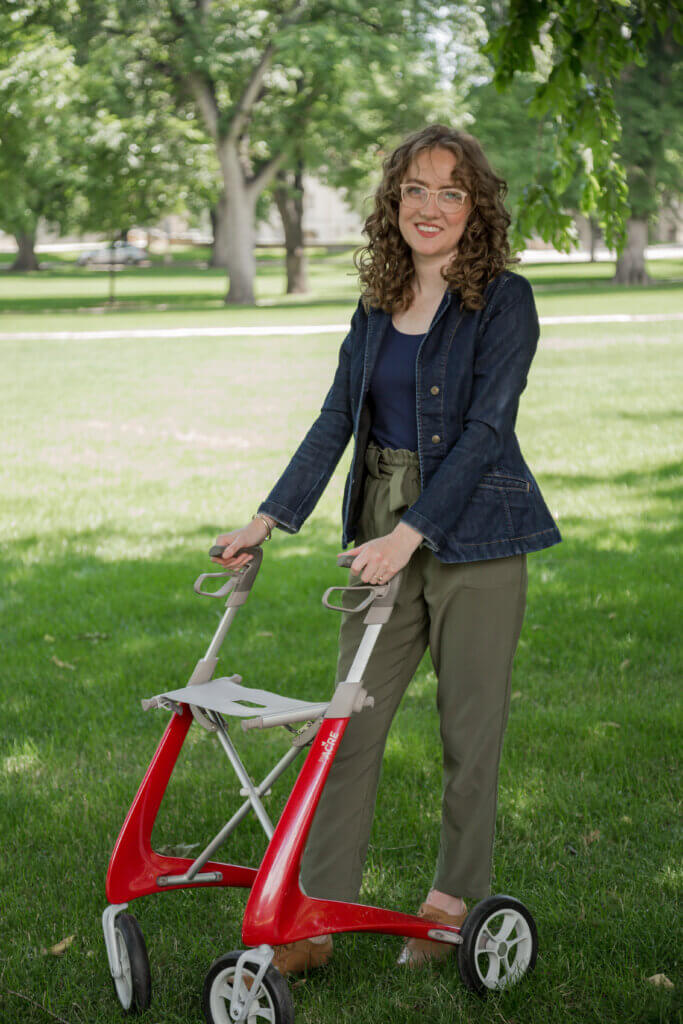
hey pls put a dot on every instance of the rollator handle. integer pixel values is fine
(239, 581)
(379, 601)
(365, 603)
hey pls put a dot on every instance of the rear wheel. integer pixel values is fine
(272, 1003)
(134, 986)
(499, 944)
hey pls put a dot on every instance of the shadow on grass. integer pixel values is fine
(661, 481)
(157, 296)
(595, 281)
(166, 302)
(127, 629)
(598, 285)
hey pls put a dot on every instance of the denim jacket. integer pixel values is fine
(479, 499)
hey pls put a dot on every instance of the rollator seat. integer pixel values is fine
(227, 696)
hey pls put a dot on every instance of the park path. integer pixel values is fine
(281, 331)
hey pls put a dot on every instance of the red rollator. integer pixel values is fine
(496, 945)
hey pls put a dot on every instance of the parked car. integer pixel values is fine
(119, 252)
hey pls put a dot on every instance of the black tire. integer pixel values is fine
(134, 988)
(273, 996)
(486, 970)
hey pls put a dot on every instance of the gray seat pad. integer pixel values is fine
(229, 698)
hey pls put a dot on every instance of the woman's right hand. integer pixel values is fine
(248, 536)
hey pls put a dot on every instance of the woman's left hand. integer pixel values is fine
(379, 559)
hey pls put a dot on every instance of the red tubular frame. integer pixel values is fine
(134, 866)
(277, 910)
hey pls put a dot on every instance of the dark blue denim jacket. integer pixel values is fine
(479, 499)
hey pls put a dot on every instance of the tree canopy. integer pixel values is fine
(580, 51)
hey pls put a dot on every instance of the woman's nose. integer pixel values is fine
(431, 207)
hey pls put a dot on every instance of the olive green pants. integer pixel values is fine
(470, 614)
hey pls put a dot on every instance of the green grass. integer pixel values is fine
(119, 463)
(193, 294)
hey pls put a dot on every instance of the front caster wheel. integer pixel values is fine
(499, 944)
(134, 986)
(272, 1003)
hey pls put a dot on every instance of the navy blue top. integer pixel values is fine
(392, 391)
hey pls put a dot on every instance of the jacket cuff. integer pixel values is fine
(284, 517)
(433, 537)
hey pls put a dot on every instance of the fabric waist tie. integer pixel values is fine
(400, 468)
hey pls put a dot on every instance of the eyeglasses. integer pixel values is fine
(447, 199)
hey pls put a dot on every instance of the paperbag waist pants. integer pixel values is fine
(470, 614)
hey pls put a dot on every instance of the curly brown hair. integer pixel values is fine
(385, 264)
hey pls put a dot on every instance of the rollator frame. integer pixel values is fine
(278, 911)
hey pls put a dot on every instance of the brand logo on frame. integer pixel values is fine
(328, 747)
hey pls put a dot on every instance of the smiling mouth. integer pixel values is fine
(428, 229)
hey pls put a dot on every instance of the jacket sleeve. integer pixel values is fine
(298, 490)
(503, 355)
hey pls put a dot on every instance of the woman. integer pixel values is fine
(428, 383)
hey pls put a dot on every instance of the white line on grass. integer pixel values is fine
(236, 332)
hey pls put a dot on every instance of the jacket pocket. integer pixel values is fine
(486, 516)
(500, 480)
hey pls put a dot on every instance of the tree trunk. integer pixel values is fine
(240, 250)
(289, 197)
(594, 237)
(26, 257)
(239, 235)
(219, 224)
(631, 263)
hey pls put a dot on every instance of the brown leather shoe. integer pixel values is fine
(303, 955)
(417, 951)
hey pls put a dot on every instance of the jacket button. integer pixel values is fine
(435, 438)
(434, 390)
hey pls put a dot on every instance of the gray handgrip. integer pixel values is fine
(345, 561)
(217, 550)
(240, 582)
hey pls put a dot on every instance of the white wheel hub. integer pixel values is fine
(503, 949)
(260, 1011)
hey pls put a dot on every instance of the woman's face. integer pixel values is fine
(430, 232)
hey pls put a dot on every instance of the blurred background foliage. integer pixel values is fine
(113, 114)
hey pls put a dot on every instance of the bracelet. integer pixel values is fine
(260, 515)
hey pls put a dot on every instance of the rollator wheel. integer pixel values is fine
(273, 1003)
(134, 987)
(500, 945)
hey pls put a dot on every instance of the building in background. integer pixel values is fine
(328, 219)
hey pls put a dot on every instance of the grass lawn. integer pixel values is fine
(121, 460)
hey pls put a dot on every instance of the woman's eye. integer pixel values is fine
(414, 190)
(454, 196)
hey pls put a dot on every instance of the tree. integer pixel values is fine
(582, 49)
(140, 158)
(88, 138)
(238, 66)
(40, 126)
(649, 100)
(365, 98)
(520, 147)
